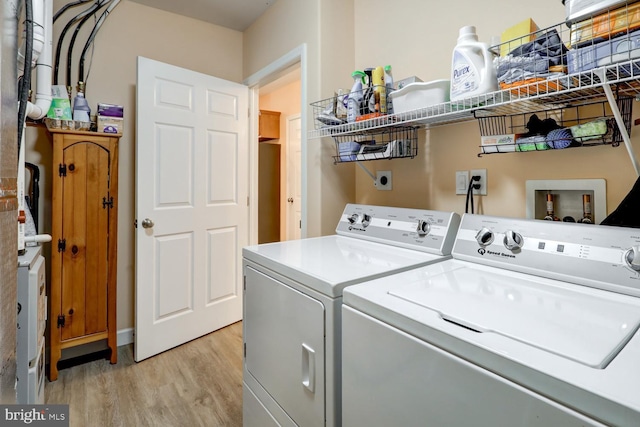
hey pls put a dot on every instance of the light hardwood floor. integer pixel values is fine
(196, 384)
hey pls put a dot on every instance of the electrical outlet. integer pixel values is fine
(462, 182)
(383, 181)
(482, 173)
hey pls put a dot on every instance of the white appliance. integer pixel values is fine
(531, 323)
(32, 319)
(292, 298)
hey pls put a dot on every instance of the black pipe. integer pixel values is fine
(73, 41)
(90, 40)
(64, 8)
(24, 88)
(88, 12)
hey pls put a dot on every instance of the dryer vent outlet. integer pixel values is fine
(383, 180)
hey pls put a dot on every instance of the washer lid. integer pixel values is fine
(586, 325)
(328, 264)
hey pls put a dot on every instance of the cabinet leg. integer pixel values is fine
(113, 346)
(54, 356)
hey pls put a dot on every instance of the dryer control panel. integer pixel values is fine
(600, 256)
(419, 229)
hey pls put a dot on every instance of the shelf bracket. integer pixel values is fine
(619, 121)
(364, 168)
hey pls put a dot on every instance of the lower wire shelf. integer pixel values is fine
(585, 125)
(381, 144)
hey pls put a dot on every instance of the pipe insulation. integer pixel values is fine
(26, 71)
(40, 108)
(38, 37)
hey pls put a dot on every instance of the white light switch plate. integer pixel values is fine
(462, 182)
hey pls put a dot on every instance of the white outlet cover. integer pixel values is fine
(383, 180)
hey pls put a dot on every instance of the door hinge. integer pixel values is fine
(301, 224)
(61, 320)
(244, 283)
(62, 170)
(244, 351)
(62, 245)
(106, 203)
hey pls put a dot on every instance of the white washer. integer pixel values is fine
(292, 298)
(532, 323)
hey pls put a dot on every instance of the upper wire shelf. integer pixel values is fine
(569, 90)
(595, 52)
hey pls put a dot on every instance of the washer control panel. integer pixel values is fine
(593, 255)
(420, 229)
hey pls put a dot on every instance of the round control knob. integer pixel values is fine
(513, 241)
(423, 227)
(484, 236)
(353, 218)
(632, 257)
(366, 220)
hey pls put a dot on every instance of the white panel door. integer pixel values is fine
(294, 177)
(191, 204)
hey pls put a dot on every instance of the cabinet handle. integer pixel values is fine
(308, 368)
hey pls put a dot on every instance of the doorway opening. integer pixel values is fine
(279, 159)
(278, 175)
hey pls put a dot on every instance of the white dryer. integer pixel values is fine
(292, 298)
(531, 323)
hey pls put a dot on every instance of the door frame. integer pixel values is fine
(264, 76)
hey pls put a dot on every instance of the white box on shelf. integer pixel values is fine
(420, 95)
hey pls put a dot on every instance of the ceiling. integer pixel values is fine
(235, 14)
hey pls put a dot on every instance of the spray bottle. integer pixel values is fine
(355, 98)
(472, 69)
(388, 83)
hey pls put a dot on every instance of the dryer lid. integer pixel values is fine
(589, 326)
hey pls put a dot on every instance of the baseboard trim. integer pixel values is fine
(125, 336)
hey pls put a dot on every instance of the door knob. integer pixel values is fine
(147, 223)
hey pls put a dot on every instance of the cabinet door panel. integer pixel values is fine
(85, 229)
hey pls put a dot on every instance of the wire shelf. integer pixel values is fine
(569, 65)
(390, 143)
(594, 124)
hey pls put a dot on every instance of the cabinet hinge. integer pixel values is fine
(244, 283)
(106, 203)
(62, 170)
(62, 245)
(61, 320)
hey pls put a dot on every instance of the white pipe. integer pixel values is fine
(38, 35)
(40, 108)
(38, 238)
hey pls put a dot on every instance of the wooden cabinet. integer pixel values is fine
(269, 125)
(84, 230)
